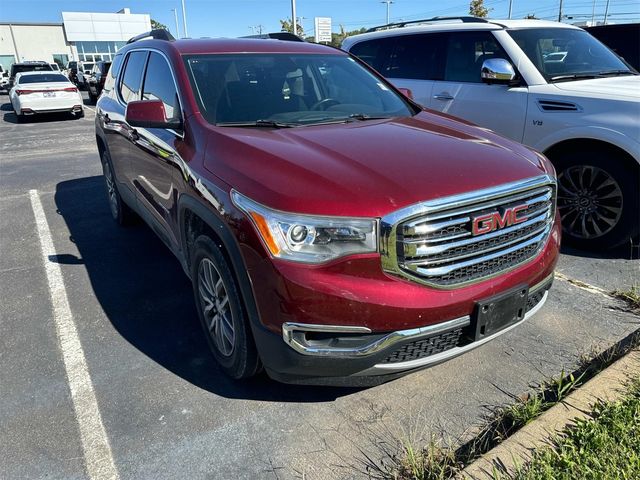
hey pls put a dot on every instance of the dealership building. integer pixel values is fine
(83, 36)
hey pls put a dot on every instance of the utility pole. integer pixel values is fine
(294, 20)
(175, 16)
(260, 27)
(606, 13)
(560, 12)
(511, 8)
(388, 2)
(184, 21)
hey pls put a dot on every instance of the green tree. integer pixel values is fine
(531, 16)
(155, 25)
(477, 9)
(287, 26)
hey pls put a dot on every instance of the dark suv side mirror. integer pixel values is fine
(497, 70)
(149, 114)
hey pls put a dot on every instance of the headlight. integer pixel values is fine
(307, 238)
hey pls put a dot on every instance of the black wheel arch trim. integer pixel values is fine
(232, 251)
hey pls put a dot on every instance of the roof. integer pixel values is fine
(237, 45)
(452, 26)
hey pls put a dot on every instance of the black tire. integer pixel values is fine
(235, 351)
(598, 199)
(78, 116)
(120, 211)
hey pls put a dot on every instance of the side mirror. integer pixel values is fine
(497, 70)
(149, 114)
(406, 92)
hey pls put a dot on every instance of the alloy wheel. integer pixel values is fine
(589, 201)
(111, 190)
(214, 301)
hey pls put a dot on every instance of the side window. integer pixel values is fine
(417, 57)
(132, 78)
(159, 85)
(466, 51)
(374, 52)
(110, 81)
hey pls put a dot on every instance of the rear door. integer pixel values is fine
(462, 92)
(408, 61)
(155, 158)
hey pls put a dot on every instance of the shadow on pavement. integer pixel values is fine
(148, 299)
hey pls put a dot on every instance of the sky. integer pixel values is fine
(233, 18)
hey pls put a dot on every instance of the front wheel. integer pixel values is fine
(598, 199)
(221, 311)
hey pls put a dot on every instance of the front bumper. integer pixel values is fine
(380, 358)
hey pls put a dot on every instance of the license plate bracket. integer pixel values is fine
(499, 312)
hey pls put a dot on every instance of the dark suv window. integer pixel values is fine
(113, 73)
(466, 51)
(159, 85)
(130, 85)
(418, 57)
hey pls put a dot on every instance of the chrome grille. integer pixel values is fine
(434, 242)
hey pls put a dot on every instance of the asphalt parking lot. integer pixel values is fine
(166, 410)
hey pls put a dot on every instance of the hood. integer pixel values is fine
(368, 168)
(627, 87)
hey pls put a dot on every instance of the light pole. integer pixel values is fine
(388, 2)
(184, 21)
(175, 16)
(510, 8)
(560, 12)
(294, 21)
(606, 13)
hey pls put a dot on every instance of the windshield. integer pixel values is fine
(45, 77)
(568, 54)
(289, 90)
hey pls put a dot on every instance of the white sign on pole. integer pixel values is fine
(323, 29)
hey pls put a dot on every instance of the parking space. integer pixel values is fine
(167, 411)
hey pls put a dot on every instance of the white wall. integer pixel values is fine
(92, 27)
(33, 42)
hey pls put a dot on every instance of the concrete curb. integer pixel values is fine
(515, 451)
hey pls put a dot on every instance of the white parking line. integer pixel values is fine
(97, 452)
(92, 109)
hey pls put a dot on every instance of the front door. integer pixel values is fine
(462, 93)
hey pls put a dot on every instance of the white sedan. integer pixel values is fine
(44, 92)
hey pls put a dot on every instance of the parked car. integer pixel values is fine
(4, 79)
(95, 84)
(35, 66)
(333, 230)
(44, 92)
(623, 39)
(72, 71)
(580, 105)
(55, 67)
(84, 70)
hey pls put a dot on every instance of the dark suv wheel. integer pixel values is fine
(221, 311)
(120, 211)
(598, 199)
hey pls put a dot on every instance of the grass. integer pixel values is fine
(439, 460)
(607, 446)
(631, 296)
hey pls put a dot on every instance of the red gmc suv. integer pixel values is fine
(334, 231)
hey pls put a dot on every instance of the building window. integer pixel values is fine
(96, 51)
(6, 61)
(61, 59)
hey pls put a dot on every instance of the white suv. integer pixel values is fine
(548, 85)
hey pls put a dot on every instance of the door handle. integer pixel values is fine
(443, 96)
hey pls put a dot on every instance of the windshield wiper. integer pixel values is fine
(364, 116)
(258, 123)
(583, 76)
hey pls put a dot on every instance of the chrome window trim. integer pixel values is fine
(148, 50)
(486, 197)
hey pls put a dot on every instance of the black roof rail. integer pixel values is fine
(463, 19)
(158, 34)
(290, 37)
